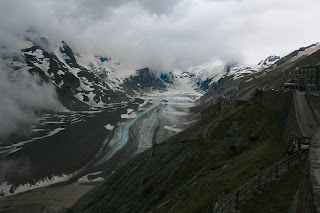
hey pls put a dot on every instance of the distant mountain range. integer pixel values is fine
(85, 80)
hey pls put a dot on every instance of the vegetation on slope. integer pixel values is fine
(276, 195)
(196, 169)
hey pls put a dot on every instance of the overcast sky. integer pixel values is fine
(168, 34)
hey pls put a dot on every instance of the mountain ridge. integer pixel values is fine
(90, 81)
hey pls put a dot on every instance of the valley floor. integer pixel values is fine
(50, 199)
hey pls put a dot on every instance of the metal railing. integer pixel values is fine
(255, 184)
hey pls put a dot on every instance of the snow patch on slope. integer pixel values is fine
(5, 187)
(109, 127)
(106, 68)
(130, 114)
(85, 178)
(173, 129)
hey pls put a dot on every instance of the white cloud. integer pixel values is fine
(169, 34)
(21, 95)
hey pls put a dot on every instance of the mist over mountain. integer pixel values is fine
(22, 95)
(167, 35)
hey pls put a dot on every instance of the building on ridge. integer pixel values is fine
(309, 78)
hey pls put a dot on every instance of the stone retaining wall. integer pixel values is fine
(281, 102)
(314, 101)
(291, 124)
(274, 100)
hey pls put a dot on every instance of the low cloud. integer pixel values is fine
(22, 94)
(169, 34)
(14, 168)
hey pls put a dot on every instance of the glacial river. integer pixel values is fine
(161, 116)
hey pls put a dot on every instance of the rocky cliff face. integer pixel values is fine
(144, 80)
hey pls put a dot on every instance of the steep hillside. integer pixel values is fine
(194, 170)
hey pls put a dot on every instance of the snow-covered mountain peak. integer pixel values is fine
(268, 61)
(206, 75)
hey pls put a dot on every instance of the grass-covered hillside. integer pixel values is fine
(276, 195)
(195, 170)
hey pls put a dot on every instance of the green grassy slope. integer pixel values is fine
(276, 195)
(193, 170)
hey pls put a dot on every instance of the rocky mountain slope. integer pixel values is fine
(77, 87)
(144, 80)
